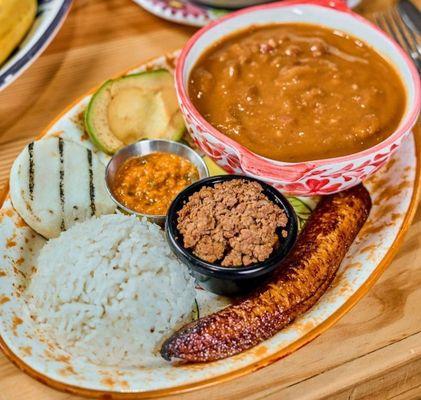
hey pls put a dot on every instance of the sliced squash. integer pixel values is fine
(132, 108)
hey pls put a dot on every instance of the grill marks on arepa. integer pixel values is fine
(55, 183)
(61, 183)
(91, 183)
(31, 170)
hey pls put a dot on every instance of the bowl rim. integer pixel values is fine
(124, 148)
(242, 151)
(216, 270)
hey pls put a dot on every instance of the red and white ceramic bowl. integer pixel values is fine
(301, 178)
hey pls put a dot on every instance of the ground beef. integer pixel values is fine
(232, 224)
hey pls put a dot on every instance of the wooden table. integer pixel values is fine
(372, 353)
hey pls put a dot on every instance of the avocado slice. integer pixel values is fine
(134, 107)
(213, 167)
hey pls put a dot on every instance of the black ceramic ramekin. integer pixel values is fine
(230, 280)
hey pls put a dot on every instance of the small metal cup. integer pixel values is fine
(143, 148)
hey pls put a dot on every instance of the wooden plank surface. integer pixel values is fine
(374, 352)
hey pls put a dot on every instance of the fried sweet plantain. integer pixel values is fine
(16, 18)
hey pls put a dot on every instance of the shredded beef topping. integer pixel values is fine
(232, 224)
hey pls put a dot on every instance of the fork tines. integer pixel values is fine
(392, 23)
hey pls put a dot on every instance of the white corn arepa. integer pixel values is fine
(56, 182)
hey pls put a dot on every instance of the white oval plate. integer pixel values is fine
(50, 16)
(188, 12)
(394, 193)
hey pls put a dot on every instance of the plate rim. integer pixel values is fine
(264, 362)
(8, 77)
(198, 22)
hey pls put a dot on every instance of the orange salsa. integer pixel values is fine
(148, 184)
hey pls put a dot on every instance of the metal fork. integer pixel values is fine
(392, 22)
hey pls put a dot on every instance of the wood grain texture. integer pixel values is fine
(374, 352)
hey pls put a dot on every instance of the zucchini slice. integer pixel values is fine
(134, 107)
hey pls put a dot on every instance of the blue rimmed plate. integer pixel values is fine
(50, 16)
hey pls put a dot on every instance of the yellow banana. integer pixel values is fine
(16, 17)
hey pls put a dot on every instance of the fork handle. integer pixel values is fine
(410, 14)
